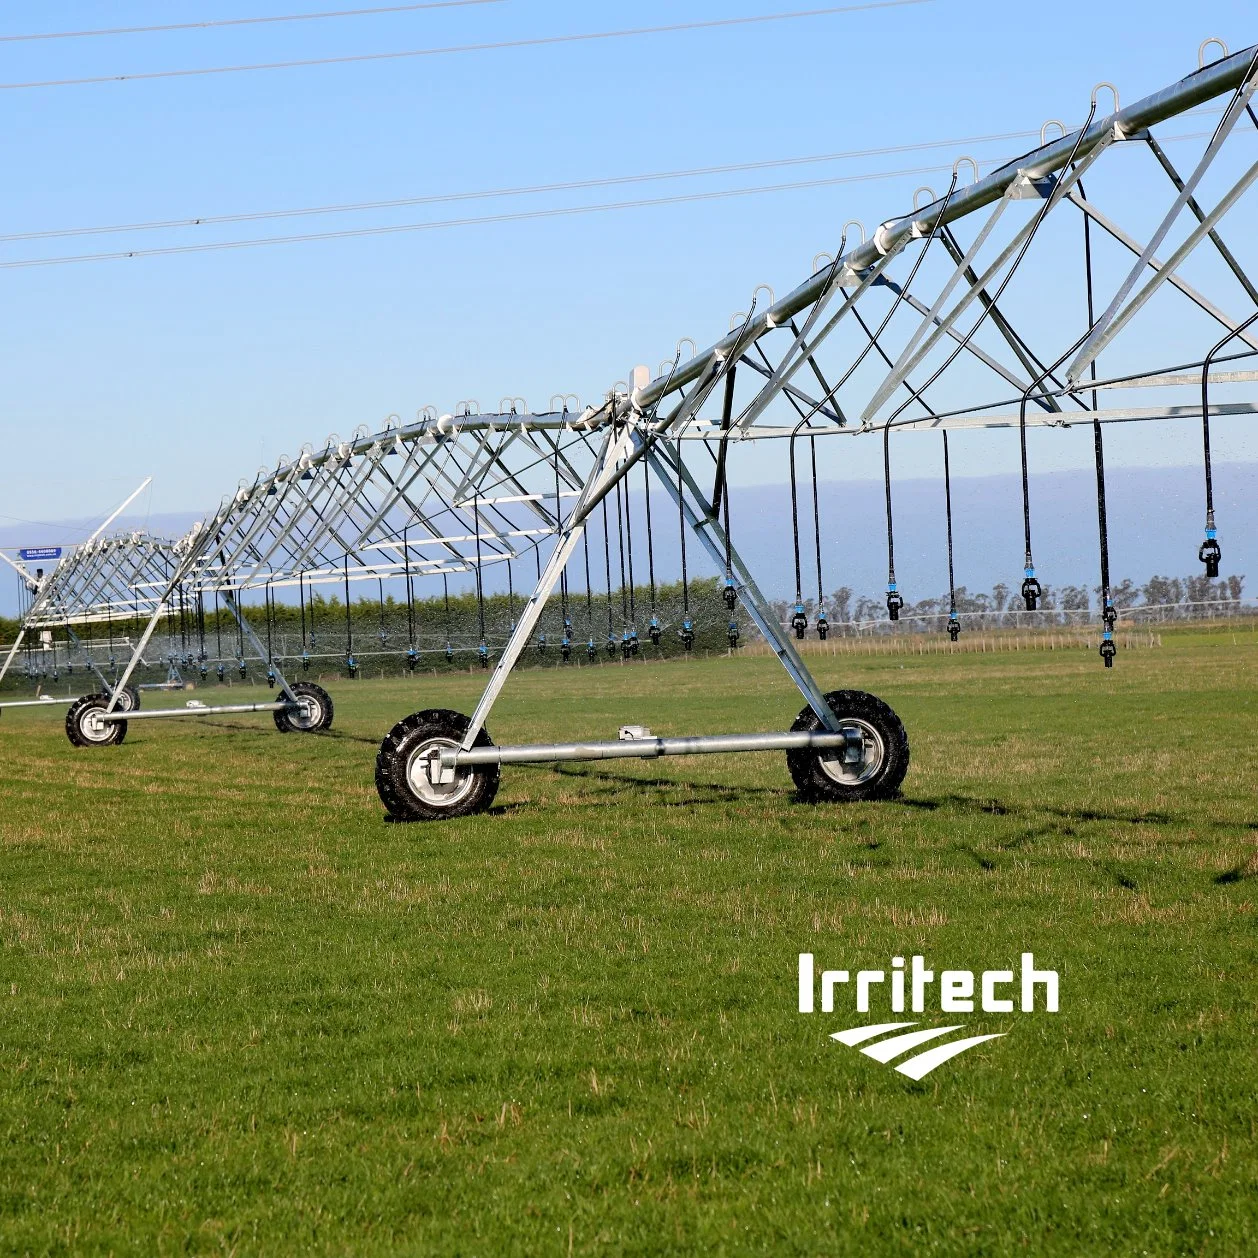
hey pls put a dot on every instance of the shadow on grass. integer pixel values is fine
(998, 808)
(722, 792)
(257, 727)
(1238, 873)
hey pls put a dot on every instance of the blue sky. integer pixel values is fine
(197, 368)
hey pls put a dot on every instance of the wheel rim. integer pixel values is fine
(308, 714)
(92, 728)
(437, 794)
(125, 702)
(843, 767)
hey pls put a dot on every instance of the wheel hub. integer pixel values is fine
(435, 784)
(307, 712)
(859, 758)
(93, 728)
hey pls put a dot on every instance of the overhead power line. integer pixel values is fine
(498, 46)
(525, 190)
(570, 185)
(515, 217)
(244, 21)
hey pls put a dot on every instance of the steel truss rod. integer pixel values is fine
(1110, 324)
(667, 462)
(1215, 239)
(1118, 312)
(1196, 89)
(1015, 251)
(977, 351)
(801, 350)
(1160, 268)
(623, 446)
(793, 392)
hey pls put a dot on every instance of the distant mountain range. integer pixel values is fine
(1156, 517)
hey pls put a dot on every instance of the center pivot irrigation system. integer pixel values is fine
(910, 329)
(989, 307)
(375, 507)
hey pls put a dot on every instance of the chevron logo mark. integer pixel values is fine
(920, 1064)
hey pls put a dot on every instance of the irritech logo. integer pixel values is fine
(957, 992)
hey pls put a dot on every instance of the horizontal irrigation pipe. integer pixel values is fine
(648, 748)
(151, 714)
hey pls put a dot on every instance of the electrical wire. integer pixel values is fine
(475, 221)
(523, 190)
(243, 21)
(456, 49)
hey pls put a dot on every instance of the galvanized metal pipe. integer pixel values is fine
(238, 707)
(1196, 89)
(645, 748)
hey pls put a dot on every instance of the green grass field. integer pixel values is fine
(242, 1014)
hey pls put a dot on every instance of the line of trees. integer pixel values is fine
(380, 634)
(1163, 598)
(447, 636)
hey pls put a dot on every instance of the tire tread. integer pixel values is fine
(815, 786)
(399, 800)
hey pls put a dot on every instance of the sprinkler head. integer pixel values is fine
(541, 642)
(305, 661)
(270, 678)
(412, 658)
(654, 632)
(1031, 592)
(351, 666)
(732, 633)
(1108, 649)
(449, 654)
(729, 594)
(954, 627)
(823, 627)
(799, 621)
(565, 648)
(244, 670)
(591, 650)
(895, 601)
(1210, 553)
(222, 672)
(482, 653)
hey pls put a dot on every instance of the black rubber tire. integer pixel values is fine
(129, 700)
(79, 731)
(474, 788)
(818, 785)
(321, 708)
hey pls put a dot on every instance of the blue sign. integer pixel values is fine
(41, 552)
